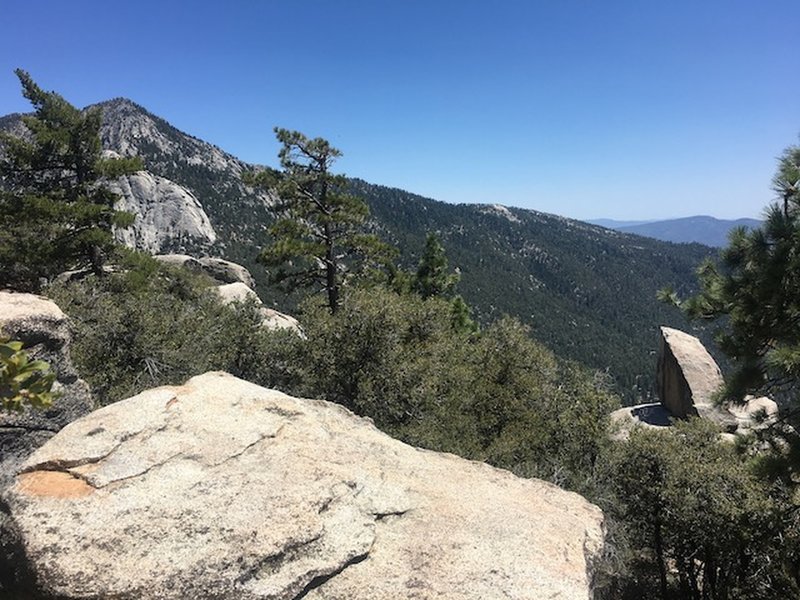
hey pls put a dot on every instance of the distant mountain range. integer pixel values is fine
(589, 293)
(699, 229)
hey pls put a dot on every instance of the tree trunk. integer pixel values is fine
(331, 284)
(97, 260)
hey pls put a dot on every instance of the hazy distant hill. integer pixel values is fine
(614, 224)
(588, 292)
(700, 229)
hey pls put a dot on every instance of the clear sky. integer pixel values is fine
(595, 108)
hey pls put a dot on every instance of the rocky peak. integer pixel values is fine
(131, 130)
(207, 174)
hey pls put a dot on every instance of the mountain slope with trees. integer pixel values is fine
(589, 293)
(687, 516)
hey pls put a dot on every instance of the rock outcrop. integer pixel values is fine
(688, 379)
(43, 329)
(167, 215)
(225, 271)
(183, 261)
(222, 489)
(234, 284)
(271, 319)
(652, 415)
(222, 271)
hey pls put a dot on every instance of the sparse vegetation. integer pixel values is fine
(23, 382)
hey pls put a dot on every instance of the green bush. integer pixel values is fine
(497, 396)
(23, 382)
(150, 324)
(698, 522)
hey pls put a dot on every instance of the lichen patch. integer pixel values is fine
(53, 484)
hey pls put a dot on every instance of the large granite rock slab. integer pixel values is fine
(222, 489)
(44, 330)
(688, 377)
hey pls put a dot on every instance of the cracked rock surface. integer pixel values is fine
(223, 489)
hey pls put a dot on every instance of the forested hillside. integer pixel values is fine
(686, 514)
(589, 293)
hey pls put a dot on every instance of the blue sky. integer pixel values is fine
(619, 109)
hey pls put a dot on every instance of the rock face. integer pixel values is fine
(166, 214)
(222, 489)
(43, 329)
(688, 377)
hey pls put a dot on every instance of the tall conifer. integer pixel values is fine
(55, 212)
(318, 237)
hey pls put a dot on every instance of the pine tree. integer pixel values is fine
(55, 212)
(433, 277)
(754, 292)
(756, 286)
(318, 238)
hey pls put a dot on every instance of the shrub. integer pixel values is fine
(150, 324)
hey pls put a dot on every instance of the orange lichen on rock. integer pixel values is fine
(53, 484)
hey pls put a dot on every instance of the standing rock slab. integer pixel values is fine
(223, 489)
(688, 377)
(43, 329)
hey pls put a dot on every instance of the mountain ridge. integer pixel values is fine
(701, 229)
